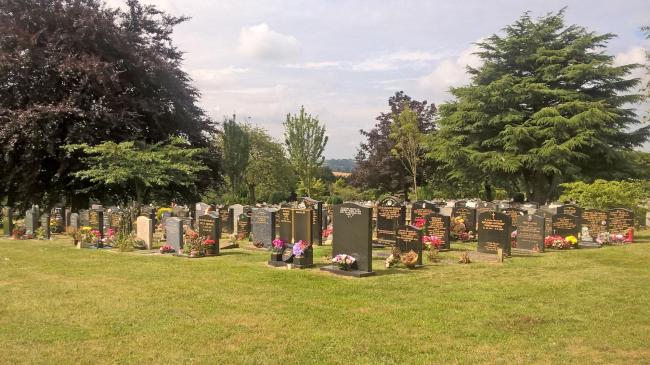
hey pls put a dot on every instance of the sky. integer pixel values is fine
(342, 60)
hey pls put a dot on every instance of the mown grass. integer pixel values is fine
(59, 305)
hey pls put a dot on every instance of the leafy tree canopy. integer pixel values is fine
(546, 106)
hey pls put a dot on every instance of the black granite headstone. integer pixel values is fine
(353, 236)
(243, 226)
(209, 227)
(467, 214)
(620, 220)
(567, 225)
(263, 222)
(438, 225)
(494, 232)
(548, 221)
(96, 220)
(409, 238)
(514, 213)
(421, 209)
(302, 225)
(391, 214)
(530, 233)
(174, 233)
(226, 220)
(317, 219)
(285, 225)
(595, 220)
(570, 209)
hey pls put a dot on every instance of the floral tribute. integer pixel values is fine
(193, 244)
(166, 249)
(278, 245)
(559, 242)
(432, 242)
(513, 239)
(409, 259)
(344, 261)
(328, 231)
(419, 222)
(299, 248)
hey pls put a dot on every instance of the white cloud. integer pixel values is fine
(396, 60)
(217, 76)
(633, 55)
(450, 72)
(260, 41)
(315, 65)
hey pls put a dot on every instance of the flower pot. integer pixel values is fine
(211, 251)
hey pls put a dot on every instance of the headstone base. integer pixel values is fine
(354, 273)
(483, 257)
(589, 245)
(303, 262)
(276, 260)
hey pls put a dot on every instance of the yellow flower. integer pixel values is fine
(572, 240)
(86, 228)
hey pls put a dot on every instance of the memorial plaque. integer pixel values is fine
(409, 238)
(57, 218)
(31, 220)
(567, 225)
(96, 220)
(243, 227)
(45, 224)
(302, 224)
(514, 213)
(391, 214)
(570, 209)
(209, 227)
(438, 225)
(596, 222)
(467, 214)
(620, 220)
(235, 211)
(263, 222)
(144, 230)
(285, 225)
(74, 222)
(482, 207)
(353, 227)
(174, 233)
(530, 233)
(494, 232)
(84, 218)
(116, 220)
(317, 219)
(8, 221)
(421, 209)
(226, 220)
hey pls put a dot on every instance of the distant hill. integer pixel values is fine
(341, 165)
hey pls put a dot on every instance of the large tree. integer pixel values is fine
(305, 139)
(547, 106)
(269, 176)
(377, 167)
(408, 143)
(236, 148)
(139, 167)
(79, 72)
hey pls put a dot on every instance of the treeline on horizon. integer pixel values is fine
(94, 105)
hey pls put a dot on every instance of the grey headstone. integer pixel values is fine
(174, 232)
(353, 234)
(263, 222)
(530, 233)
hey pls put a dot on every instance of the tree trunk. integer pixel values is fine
(415, 182)
(488, 191)
(251, 194)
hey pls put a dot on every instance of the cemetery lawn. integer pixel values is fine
(60, 305)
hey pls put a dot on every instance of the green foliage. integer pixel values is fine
(270, 177)
(318, 189)
(602, 194)
(236, 149)
(139, 167)
(76, 72)
(162, 211)
(545, 107)
(305, 139)
(408, 142)
(341, 190)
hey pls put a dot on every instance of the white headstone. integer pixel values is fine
(237, 209)
(144, 230)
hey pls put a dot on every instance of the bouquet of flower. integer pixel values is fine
(432, 242)
(278, 245)
(571, 240)
(18, 232)
(166, 249)
(328, 231)
(602, 238)
(209, 243)
(193, 243)
(409, 259)
(513, 239)
(344, 261)
(299, 248)
(557, 242)
(617, 239)
(466, 236)
(419, 222)
(458, 227)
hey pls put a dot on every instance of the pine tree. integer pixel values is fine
(547, 106)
